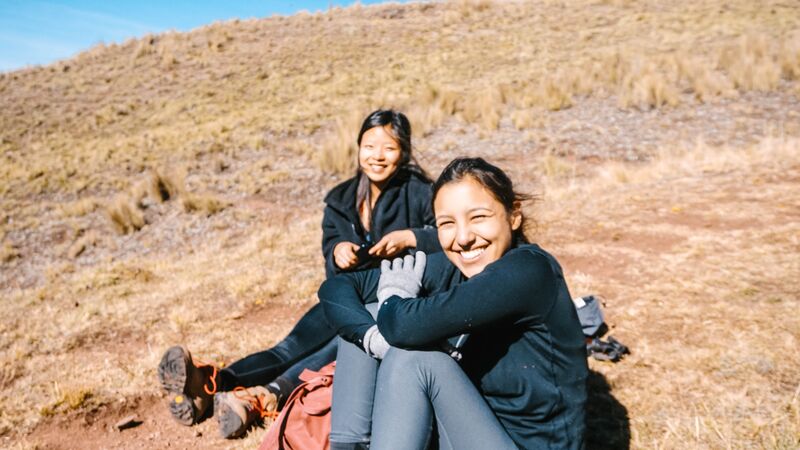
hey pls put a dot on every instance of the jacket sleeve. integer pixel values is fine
(426, 236)
(330, 237)
(517, 287)
(343, 298)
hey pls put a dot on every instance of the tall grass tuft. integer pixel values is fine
(483, 108)
(125, 215)
(203, 203)
(752, 63)
(645, 85)
(163, 186)
(339, 152)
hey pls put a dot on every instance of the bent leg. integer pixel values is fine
(414, 387)
(285, 383)
(353, 393)
(310, 334)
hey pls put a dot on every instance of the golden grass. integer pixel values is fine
(339, 153)
(66, 400)
(698, 280)
(142, 306)
(203, 203)
(699, 375)
(679, 246)
(125, 215)
(483, 108)
(220, 88)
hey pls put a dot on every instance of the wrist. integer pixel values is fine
(411, 239)
(389, 291)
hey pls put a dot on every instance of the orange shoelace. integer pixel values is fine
(213, 377)
(255, 400)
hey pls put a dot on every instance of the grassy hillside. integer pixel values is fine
(169, 190)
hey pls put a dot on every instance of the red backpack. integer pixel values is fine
(305, 421)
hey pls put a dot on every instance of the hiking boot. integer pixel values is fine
(191, 385)
(237, 410)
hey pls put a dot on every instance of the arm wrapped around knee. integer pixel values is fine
(374, 343)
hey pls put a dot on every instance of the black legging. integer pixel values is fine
(310, 344)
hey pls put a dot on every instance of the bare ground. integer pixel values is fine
(678, 253)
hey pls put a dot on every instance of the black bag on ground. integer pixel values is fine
(594, 327)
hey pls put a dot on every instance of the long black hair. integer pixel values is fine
(493, 179)
(400, 130)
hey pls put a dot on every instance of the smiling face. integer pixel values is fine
(474, 228)
(379, 154)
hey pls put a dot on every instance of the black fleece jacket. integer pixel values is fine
(405, 203)
(525, 354)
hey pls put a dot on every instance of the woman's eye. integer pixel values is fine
(443, 224)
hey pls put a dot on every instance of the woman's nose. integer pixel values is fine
(379, 154)
(464, 236)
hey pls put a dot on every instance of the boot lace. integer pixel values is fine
(256, 401)
(212, 378)
(213, 389)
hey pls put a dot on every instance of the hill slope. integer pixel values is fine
(169, 190)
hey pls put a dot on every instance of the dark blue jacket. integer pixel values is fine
(405, 203)
(526, 351)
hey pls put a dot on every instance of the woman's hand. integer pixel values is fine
(393, 243)
(344, 255)
(401, 277)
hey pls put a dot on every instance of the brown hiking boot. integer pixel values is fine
(191, 385)
(240, 408)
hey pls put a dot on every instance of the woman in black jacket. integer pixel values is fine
(521, 380)
(381, 212)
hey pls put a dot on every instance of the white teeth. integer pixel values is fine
(472, 254)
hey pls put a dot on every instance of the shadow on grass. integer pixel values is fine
(607, 423)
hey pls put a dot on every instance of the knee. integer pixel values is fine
(409, 364)
(400, 356)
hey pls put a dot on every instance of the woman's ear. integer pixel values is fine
(516, 216)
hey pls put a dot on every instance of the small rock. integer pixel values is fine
(197, 433)
(128, 422)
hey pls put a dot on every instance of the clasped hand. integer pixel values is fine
(401, 277)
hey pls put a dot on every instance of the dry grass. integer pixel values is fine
(694, 251)
(339, 153)
(157, 99)
(700, 279)
(483, 108)
(125, 215)
(143, 306)
(203, 203)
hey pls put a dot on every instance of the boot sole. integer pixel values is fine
(182, 410)
(231, 425)
(172, 376)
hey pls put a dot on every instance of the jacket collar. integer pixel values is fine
(343, 197)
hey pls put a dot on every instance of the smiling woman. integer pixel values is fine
(391, 212)
(521, 378)
(388, 201)
(478, 219)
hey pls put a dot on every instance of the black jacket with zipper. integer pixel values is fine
(405, 203)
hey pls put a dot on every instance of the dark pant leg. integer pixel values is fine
(310, 334)
(353, 391)
(413, 388)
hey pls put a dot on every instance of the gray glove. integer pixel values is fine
(374, 343)
(403, 277)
